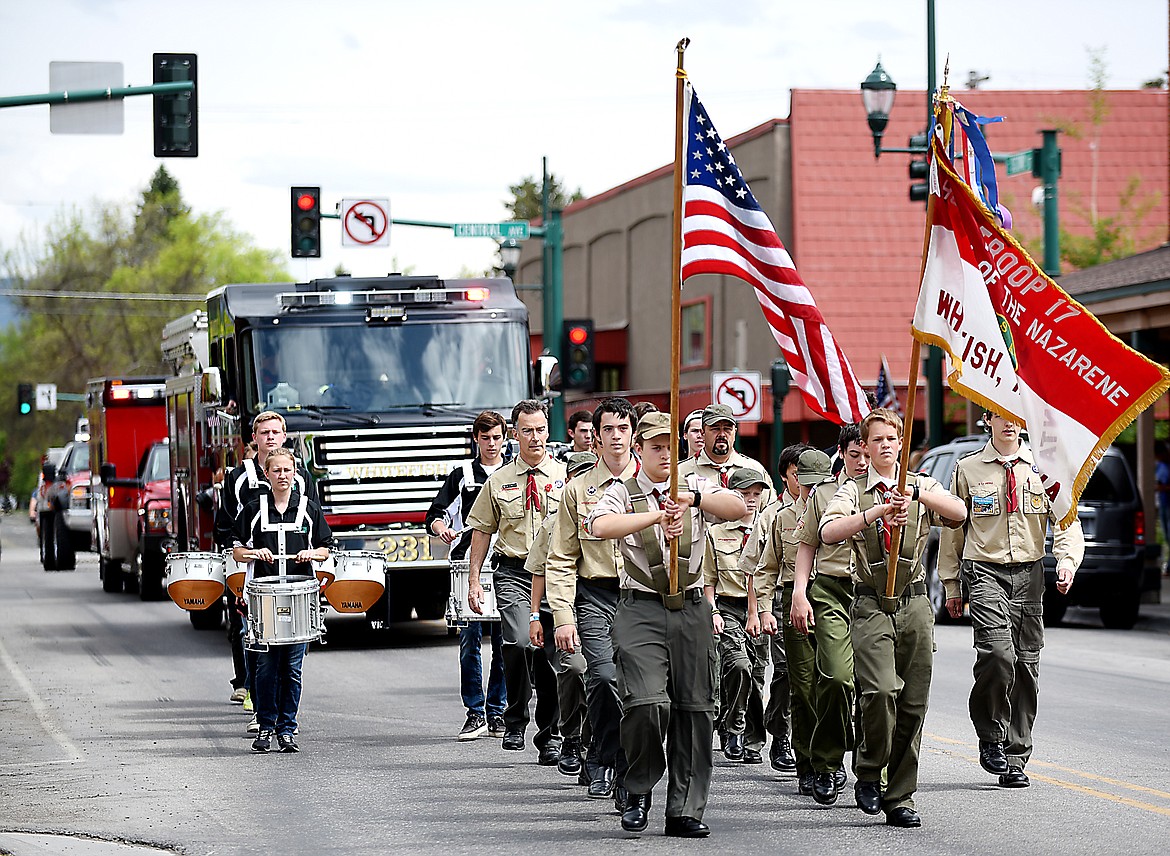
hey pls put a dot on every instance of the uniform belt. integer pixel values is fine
(912, 590)
(501, 561)
(737, 602)
(788, 586)
(603, 583)
(694, 595)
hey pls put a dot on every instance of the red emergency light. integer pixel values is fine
(477, 294)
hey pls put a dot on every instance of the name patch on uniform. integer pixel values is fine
(510, 486)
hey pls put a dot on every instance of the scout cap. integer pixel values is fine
(580, 462)
(813, 467)
(653, 424)
(713, 413)
(745, 477)
(692, 416)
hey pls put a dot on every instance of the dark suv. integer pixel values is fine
(1114, 573)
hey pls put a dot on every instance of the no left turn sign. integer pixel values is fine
(365, 222)
(740, 391)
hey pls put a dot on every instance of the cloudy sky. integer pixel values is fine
(439, 105)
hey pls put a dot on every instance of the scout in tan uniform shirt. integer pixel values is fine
(582, 580)
(1001, 551)
(742, 663)
(822, 597)
(718, 459)
(893, 638)
(513, 503)
(663, 642)
(570, 667)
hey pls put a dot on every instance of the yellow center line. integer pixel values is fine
(1072, 786)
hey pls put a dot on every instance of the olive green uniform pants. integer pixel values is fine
(801, 683)
(893, 656)
(666, 679)
(1007, 617)
(831, 599)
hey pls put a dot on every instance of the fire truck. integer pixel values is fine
(128, 421)
(378, 380)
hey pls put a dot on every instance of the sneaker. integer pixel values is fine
(287, 743)
(495, 726)
(254, 724)
(473, 727)
(238, 695)
(248, 706)
(263, 741)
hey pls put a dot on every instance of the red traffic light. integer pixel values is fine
(578, 335)
(306, 202)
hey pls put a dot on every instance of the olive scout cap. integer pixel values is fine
(653, 424)
(745, 477)
(580, 462)
(813, 467)
(713, 413)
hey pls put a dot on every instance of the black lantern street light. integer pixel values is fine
(877, 95)
(509, 257)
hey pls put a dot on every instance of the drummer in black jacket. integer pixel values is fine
(280, 533)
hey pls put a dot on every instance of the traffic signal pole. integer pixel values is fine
(75, 96)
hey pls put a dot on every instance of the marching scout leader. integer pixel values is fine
(512, 504)
(1001, 551)
(893, 644)
(663, 642)
(581, 579)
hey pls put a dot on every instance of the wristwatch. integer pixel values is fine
(698, 498)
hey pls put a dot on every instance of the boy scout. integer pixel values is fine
(582, 585)
(663, 642)
(741, 662)
(777, 714)
(820, 609)
(513, 503)
(775, 572)
(570, 667)
(892, 637)
(1001, 551)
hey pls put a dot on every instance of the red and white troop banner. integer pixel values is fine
(1020, 346)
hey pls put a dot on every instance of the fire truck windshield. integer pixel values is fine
(474, 365)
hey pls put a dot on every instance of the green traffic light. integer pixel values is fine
(25, 408)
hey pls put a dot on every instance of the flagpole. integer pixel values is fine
(912, 390)
(676, 293)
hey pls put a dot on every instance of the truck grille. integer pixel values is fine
(385, 470)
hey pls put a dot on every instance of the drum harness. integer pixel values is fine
(281, 529)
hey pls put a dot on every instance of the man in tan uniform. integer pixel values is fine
(742, 662)
(663, 642)
(512, 504)
(1001, 553)
(893, 637)
(582, 582)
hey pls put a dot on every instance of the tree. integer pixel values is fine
(71, 336)
(525, 203)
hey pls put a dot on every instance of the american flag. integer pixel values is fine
(884, 393)
(726, 232)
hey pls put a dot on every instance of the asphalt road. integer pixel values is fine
(114, 723)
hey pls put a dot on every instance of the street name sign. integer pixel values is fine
(517, 229)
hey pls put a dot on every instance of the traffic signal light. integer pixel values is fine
(176, 114)
(919, 170)
(580, 369)
(306, 222)
(25, 398)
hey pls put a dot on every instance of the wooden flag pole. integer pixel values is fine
(676, 293)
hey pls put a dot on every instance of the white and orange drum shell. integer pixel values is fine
(358, 582)
(234, 573)
(195, 580)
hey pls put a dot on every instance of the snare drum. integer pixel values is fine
(195, 580)
(358, 582)
(283, 610)
(459, 613)
(234, 574)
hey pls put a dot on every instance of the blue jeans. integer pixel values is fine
(278, 687)
(471, 669)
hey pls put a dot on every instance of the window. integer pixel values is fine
(696, 333)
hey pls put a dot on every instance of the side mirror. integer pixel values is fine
(108, 472)
(50, 473)
(211, 391)
(546, 378)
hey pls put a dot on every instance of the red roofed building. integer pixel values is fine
(848, 222)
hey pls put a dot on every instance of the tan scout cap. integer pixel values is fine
(580, 462)
(813, 467)
(745, 477)
(713, 413)
(653, 424)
